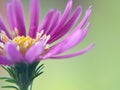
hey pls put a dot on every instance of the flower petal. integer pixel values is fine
(47, 21)
(19, 18)
(54, 22)
(4, 61)
(2, 27)
(85, 19)
(10, 16)
(34, 52)
(63, 19)
(85, 50)
(69, 42)
(74, 18)
(12, 53)
(34, 17)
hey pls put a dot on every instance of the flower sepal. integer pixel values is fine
(22, 75)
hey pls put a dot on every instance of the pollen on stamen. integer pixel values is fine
(1, 45)
(15, 33)
(47, 47)
(38, 36)
(3, 37)
(2, 49)
(23, 43)
(47, 38)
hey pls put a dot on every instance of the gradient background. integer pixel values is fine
(97, 70)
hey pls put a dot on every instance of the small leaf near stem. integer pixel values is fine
(22, 75)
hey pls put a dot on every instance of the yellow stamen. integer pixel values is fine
(47, 47)
(15, 33)
(38, 36)
(2, 49)
(24, 43)
(1, 45)
(3, 37)
(2, 52)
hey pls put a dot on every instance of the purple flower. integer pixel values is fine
(17, 46)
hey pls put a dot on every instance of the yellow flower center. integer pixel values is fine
(23, 43)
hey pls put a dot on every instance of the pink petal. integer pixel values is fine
(47, 21)
(4, 61)
(63, 19)
(12, 53)
(34, 17)
(2, 27)
(54, 22)
(85, 50)
(19, 17)
(69, 42)
(34, 52)
(69, 24)
(10, 16)
(85, 19)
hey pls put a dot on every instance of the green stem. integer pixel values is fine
(23, 74)
(31, 86)
(24, 79)
(25, 85)
(24, 88)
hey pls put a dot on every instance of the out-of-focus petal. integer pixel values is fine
(12, 53)
(62, 20)
(85, 19)
(54, 22)
(34, 52)
(19, 17)
(70, 23)
(2, 27)
(69, 42)
(34, 17)
(4, 61)
(10, 16)
(85, 50)
(47, 21)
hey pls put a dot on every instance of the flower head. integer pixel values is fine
(18, 47)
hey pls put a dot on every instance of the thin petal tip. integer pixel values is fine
(93, 45)
(70, 2)
(79, 8)
(89, 10)
(52, 9)
(90, 7)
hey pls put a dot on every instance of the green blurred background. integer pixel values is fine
(99, 69)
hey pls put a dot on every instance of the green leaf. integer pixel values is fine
(41, 66)
(9, 70)
(38, 70)
(5, 78)
(14, 87)
(11, 81)
(37, 74)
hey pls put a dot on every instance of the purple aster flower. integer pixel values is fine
(17, 48)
